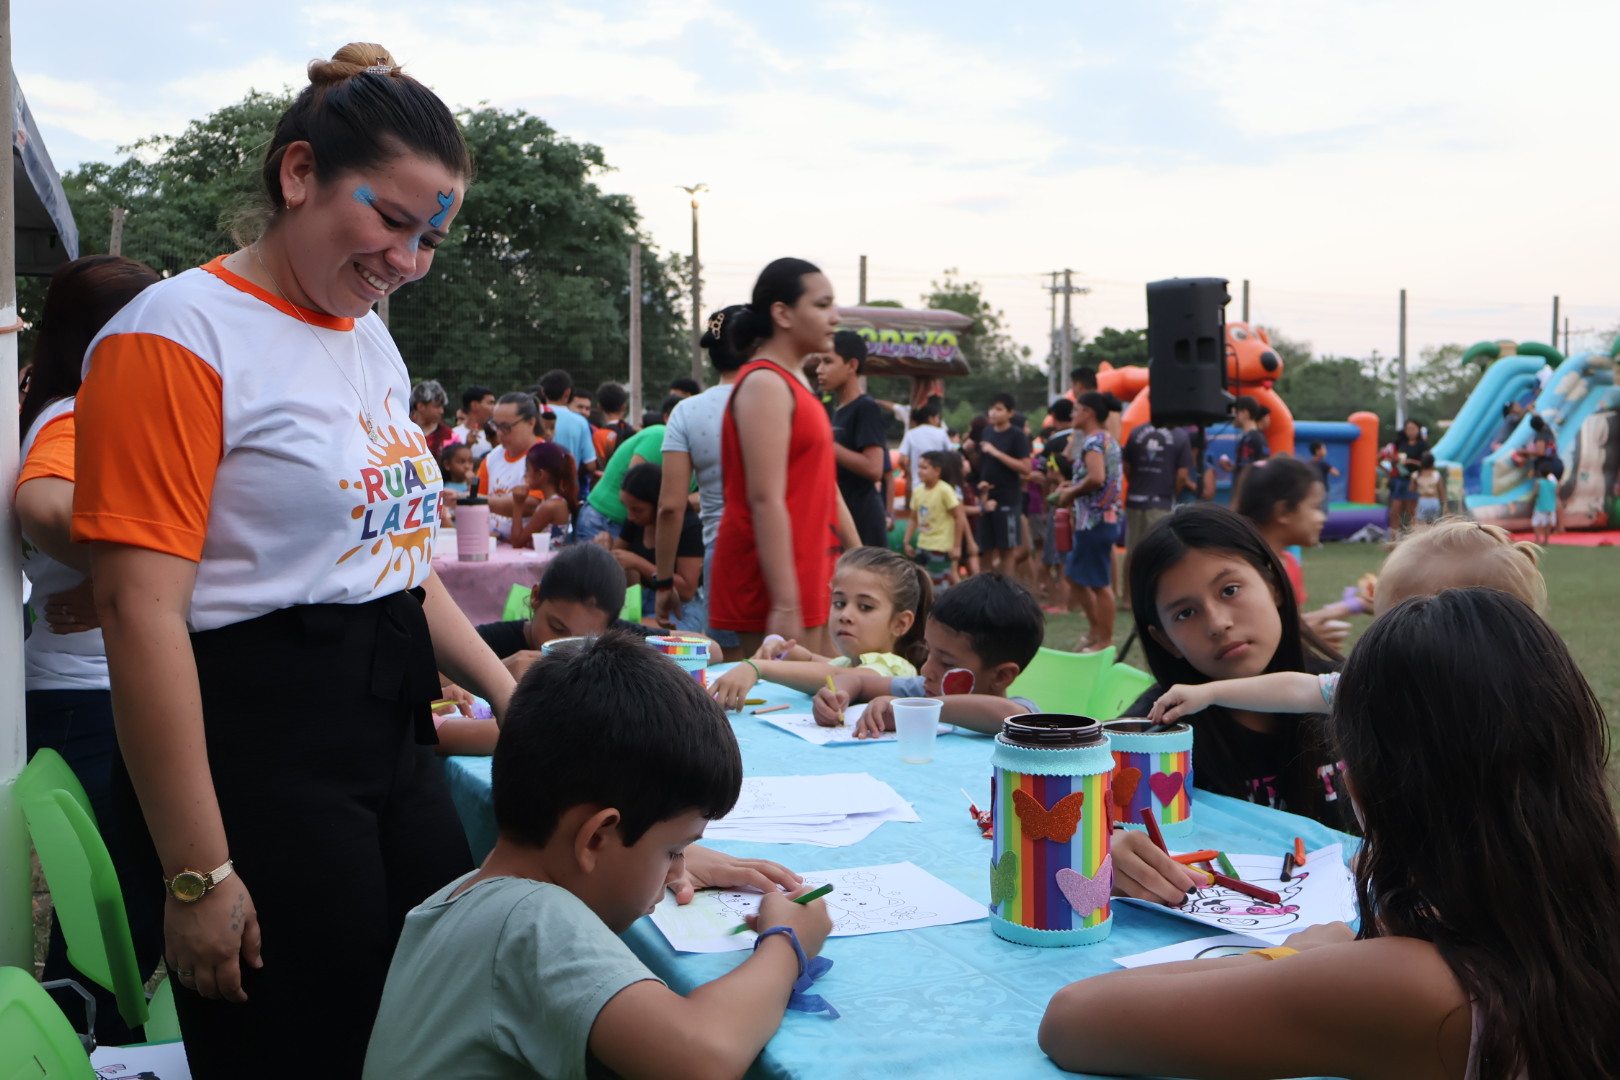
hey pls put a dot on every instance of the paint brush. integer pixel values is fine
(813, 894)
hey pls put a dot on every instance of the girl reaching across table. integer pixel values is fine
(1486, 882)
(261, 545)
(783, 519)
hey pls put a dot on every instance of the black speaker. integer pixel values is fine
(1187, 350)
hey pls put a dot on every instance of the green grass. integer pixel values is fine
(1583, 605)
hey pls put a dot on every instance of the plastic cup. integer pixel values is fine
(916, 721)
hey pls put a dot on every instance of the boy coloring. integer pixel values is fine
(989, 626)
(938, 520)
(610, 763)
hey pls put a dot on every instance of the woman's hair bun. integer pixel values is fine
(355, 58)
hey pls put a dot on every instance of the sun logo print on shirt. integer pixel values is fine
(399, 504)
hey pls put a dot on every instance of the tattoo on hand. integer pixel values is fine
(237, 912)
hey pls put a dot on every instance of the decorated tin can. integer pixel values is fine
(1152, 770)
(690, 651)
(1051, 871)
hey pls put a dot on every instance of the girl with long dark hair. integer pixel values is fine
(1486, 881)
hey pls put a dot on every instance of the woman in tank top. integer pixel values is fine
(783, 523)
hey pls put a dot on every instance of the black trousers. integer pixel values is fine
(338, 819)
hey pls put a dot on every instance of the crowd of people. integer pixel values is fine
(239, 641)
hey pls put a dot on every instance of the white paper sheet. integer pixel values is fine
(805, 727)
(835, 810)
(162, 1061)
(1197, 949)
(864, 900)
(1321, 891)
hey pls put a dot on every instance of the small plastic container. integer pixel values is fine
(472, 530)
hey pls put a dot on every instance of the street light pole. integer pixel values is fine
(697, 285)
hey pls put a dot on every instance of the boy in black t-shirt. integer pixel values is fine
(1247, 413)
(1004, 466)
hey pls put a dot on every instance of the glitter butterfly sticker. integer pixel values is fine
(1004, 879)
(1057, 824)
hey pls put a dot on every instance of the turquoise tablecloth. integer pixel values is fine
(947, 1001)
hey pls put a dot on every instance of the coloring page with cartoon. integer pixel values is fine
(1321, 891)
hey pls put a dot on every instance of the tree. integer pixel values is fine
(1121, 348)
(996, 362)
(534, 276)
(1331, 388)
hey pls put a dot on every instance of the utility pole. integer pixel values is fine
(1554, 341)
(635, 332)
(1566, 335)
(1066, 338)
(1400, 369)
(1054, 372)
(16, 929)
(1245, 299)
(863, 281)
(115, 246)
(697, 285)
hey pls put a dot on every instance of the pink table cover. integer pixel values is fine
(480, 588)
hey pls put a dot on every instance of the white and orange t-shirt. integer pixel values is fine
(498, 474)
(224, 433)
(55, 661)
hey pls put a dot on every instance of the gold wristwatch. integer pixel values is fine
(190, 886)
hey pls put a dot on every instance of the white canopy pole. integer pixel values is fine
(16, 917)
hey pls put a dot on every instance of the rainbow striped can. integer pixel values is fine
(689, 651)
(1152, 771)
(1051, 870)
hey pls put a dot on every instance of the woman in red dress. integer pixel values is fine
(783, 524)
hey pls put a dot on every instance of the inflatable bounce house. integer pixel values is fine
(1578, 402)
(1252, 368)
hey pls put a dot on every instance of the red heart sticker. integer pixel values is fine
(1166, 786)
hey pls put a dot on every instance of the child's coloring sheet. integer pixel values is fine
(1204, 948)
(160, 1061)
(1319, 892)
(864, 900)
(805, 727)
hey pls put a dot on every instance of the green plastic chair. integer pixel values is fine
(1063, 682)
(36, 1039)
(517, 604)
(1120, 686)
(84, 889)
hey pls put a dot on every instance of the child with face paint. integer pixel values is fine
(1486, 884)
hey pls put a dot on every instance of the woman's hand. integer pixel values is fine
(462, 698)
(72, 611)
(877, 718)
(206, 943)
(1144, 872)
(787, 622)
(1182, 699)
(710, 869)
(731, 689)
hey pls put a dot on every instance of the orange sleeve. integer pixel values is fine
(483, 475)
(147, 476)
(52, 452)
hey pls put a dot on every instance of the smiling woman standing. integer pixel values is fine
(260, 547)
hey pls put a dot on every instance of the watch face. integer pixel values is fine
(188, 885)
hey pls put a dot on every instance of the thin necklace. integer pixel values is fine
(359, 361)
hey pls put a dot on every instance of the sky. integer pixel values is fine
(1331, 154)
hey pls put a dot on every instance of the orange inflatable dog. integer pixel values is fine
(1252, 366)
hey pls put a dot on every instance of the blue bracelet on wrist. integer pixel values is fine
(809, 972)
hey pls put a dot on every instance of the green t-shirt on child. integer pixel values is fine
(649, 443)
(504, 980)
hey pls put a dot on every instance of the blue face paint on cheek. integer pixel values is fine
(364, 195)
(447, 199)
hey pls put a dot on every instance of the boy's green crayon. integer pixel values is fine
(1226, 864)
(813, 894)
